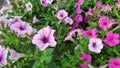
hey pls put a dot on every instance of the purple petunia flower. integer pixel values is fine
(112, 39)
(79, 18)
(29, 6)
(3, 56)
(56, 6)
(61, 14)
(22, 28)
(95, 45)
(44, 38)
(15, 55)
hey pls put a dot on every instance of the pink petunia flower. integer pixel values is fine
(56, 6)
(107, 8)
(86, 57)
(99, 4)
(35, 19)
(68, 20)
(104, 22)
(80, 2)
(114, 63)
(49, 1)
(118, 4)
(3, 56)
(44, 38)
(44, 3)
(71, 34)
(15, 55)
(84, 65)
(61, 14)
(21, 29)
(95, 45)
(91, 32)
(78, 11)
(112, 39)
(79, 18)
(29, 6)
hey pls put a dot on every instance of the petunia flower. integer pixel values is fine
(49, 1)
(84, 65)
(107, 8)
(35, 19)
(55, 6)
(91, 32)
(3, 56)
(8, 2)
(29, 6)
(61, 14)
(44, 3)
(79, 18)
(112, 39)
(118, 4)
(22, 28)
(86, 57)
(68, 20)
(44, 38)
(99, 4)
(114, 63)
(95, 45)
(15, 55)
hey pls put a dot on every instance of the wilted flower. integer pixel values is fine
(8, 2)
(29, 6)
(61, 14)
(15, 55)
(114, 63)
(112, 39)
(44, 3)
(35, 19)
(22, 28)
(68, 20)
(95, 45)
(49, 1)
(86, 57)
(107, 8)
(44, 38)
(3, 56)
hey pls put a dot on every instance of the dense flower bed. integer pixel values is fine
(60, 34)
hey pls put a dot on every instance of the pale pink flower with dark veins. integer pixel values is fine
(68, 20)
(22, 28)
(61, 14)
(3, 56)
(44, 38)
(95, 45)
(29, 6)
(15, 55)
(44, 3)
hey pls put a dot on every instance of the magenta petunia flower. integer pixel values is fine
(35, 19)
(91, 32)
(68, 20)
(79, 18)
(78, 11)
(15, 55)
(114, 63)
(3, 56)
(61, 14)
(86, 57)
(80, 2)
(44, 38)
(22, 28)
(44, 3)
(95, 45)
(112, 39)
(29, 6)
(118, 4)
(99, 4)
(84, 65)
(104, 22)
(90, 12)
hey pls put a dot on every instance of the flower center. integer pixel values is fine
(61, 15)
(105, 23)
(110, 38)
(45, 40)
(116, 63)
(22, 28)
(94, 45)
